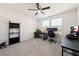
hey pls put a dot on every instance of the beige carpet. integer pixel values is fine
(33, 47)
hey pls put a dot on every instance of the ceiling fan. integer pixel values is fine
(39, 9)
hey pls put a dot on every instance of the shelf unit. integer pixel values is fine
(14, 33)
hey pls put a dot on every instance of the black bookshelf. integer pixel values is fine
(14, 33)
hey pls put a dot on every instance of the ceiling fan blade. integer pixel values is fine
(33, 9)
(42, 12)
(36, 13)
(37, 4)
(46, 8)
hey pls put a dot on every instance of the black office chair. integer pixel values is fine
(37, 33)
(51, 36)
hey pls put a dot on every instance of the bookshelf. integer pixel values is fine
(14, 33)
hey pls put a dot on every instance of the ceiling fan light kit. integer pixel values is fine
(39, 11)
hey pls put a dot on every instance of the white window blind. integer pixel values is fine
(45, 23)
(56, 22)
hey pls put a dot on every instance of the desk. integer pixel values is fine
(44, 35)
(70, 44)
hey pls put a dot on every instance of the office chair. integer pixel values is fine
(51, 36)
(37, 33)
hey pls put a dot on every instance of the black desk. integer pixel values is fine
(70, 44)
(44, 34)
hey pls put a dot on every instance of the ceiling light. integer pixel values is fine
(39, 11)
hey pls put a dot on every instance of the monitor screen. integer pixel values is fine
(52, 29)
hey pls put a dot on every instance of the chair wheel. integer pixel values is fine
(50, 42)
(5, 46)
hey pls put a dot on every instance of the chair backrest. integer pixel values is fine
(51, 34)
(38, 30)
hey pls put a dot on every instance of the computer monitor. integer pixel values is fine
(52, 29)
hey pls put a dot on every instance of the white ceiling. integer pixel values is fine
(22, 8)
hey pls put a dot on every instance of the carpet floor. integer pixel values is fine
(33, 47)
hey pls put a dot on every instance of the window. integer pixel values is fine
(45, 23)
(56, 22)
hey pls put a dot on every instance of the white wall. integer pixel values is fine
(69, 18)
(78, 15)
(27, 25)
